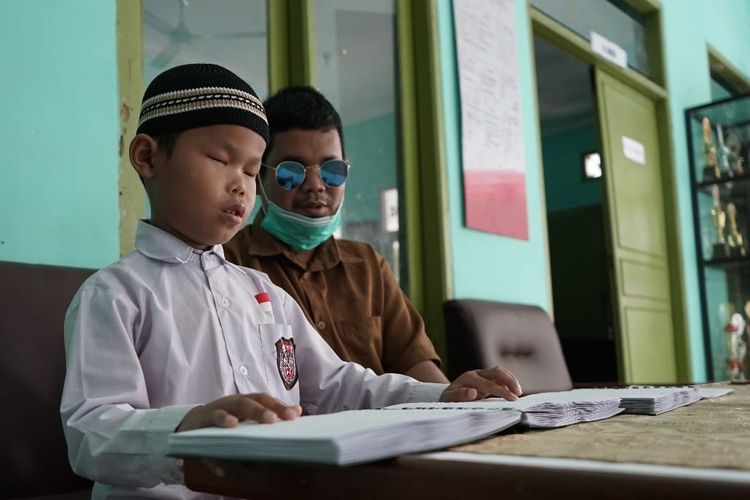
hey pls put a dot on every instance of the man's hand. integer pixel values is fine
(479, 384)
(230, 410)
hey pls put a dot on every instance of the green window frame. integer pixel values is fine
(291, 59)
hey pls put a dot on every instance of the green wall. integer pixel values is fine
(518, 270)
(58, 194)
(58, 197)
(371, 148)
(485, 265)
(688, 28)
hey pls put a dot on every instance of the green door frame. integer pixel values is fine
(291, 60)
(573, 44)
(132, 197)
(291, 43)
(721, 66)
(424, 168)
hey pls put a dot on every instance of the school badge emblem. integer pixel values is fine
(287, 362)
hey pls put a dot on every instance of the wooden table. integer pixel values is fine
(554, 466)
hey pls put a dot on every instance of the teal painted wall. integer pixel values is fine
(563, 170)
(484, 265)
(718, 92)
(371, 148)
(519, 269)
(58, 194)
(687, 31)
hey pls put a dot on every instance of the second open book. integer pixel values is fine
(358, 436)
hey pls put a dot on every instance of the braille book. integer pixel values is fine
(344, 438)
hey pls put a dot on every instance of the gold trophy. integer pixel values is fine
(735, 240)
(711, 170)
(736, 161)
(719, 219)
(723, 155)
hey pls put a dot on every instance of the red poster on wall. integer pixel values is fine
(494, 176)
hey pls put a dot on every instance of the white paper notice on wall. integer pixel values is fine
(609, 50)
(389, 204)
(633, 150)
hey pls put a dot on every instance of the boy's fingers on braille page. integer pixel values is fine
(488, 387)
(249, 408)
(280, 409)
(458, 394)
(513, 384)
(292, 412)
(221, 418)
(501, 376)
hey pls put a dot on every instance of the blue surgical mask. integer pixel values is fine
(298, 231)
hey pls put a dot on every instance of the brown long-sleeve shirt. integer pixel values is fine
(348, 292)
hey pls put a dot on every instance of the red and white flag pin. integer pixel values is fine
(264, 300)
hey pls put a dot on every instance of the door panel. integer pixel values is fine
(638, 280)
(635, 206)
(648, 350)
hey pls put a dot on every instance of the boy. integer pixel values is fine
(173, 337)
(346, 289)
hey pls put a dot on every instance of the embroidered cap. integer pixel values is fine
(198, 95)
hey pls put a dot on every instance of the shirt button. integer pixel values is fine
(305, 276)
(321, 325)
(225, 302)
(243, 370)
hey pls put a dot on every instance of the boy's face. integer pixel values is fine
(311, 148)
(204, 191)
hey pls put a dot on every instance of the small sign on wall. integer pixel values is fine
(609, 50)
(633, 150)
(389, 205)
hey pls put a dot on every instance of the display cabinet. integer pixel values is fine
(719, 145)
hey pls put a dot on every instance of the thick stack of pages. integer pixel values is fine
(650, 400)
(543, 410)
(343, 438)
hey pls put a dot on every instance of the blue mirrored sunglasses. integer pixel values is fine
(291, 174)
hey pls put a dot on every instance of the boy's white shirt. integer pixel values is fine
(168, 328)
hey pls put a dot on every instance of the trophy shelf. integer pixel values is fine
(743, 180)
(728, 263)
(719, 162)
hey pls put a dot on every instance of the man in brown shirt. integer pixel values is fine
(347, 289)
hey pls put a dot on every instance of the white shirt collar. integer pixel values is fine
(158, 244)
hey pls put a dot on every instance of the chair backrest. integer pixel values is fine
(521, 338)
(33, 454)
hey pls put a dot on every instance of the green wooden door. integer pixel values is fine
(637, 233)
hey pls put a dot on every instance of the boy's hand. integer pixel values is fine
(478, 384)
(230, 410)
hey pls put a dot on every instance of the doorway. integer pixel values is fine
(576, 214)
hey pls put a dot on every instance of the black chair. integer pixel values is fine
(521, 338)
(34, 456)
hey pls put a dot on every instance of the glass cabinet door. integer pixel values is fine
(719, 139)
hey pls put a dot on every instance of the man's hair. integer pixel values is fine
(301, 108)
